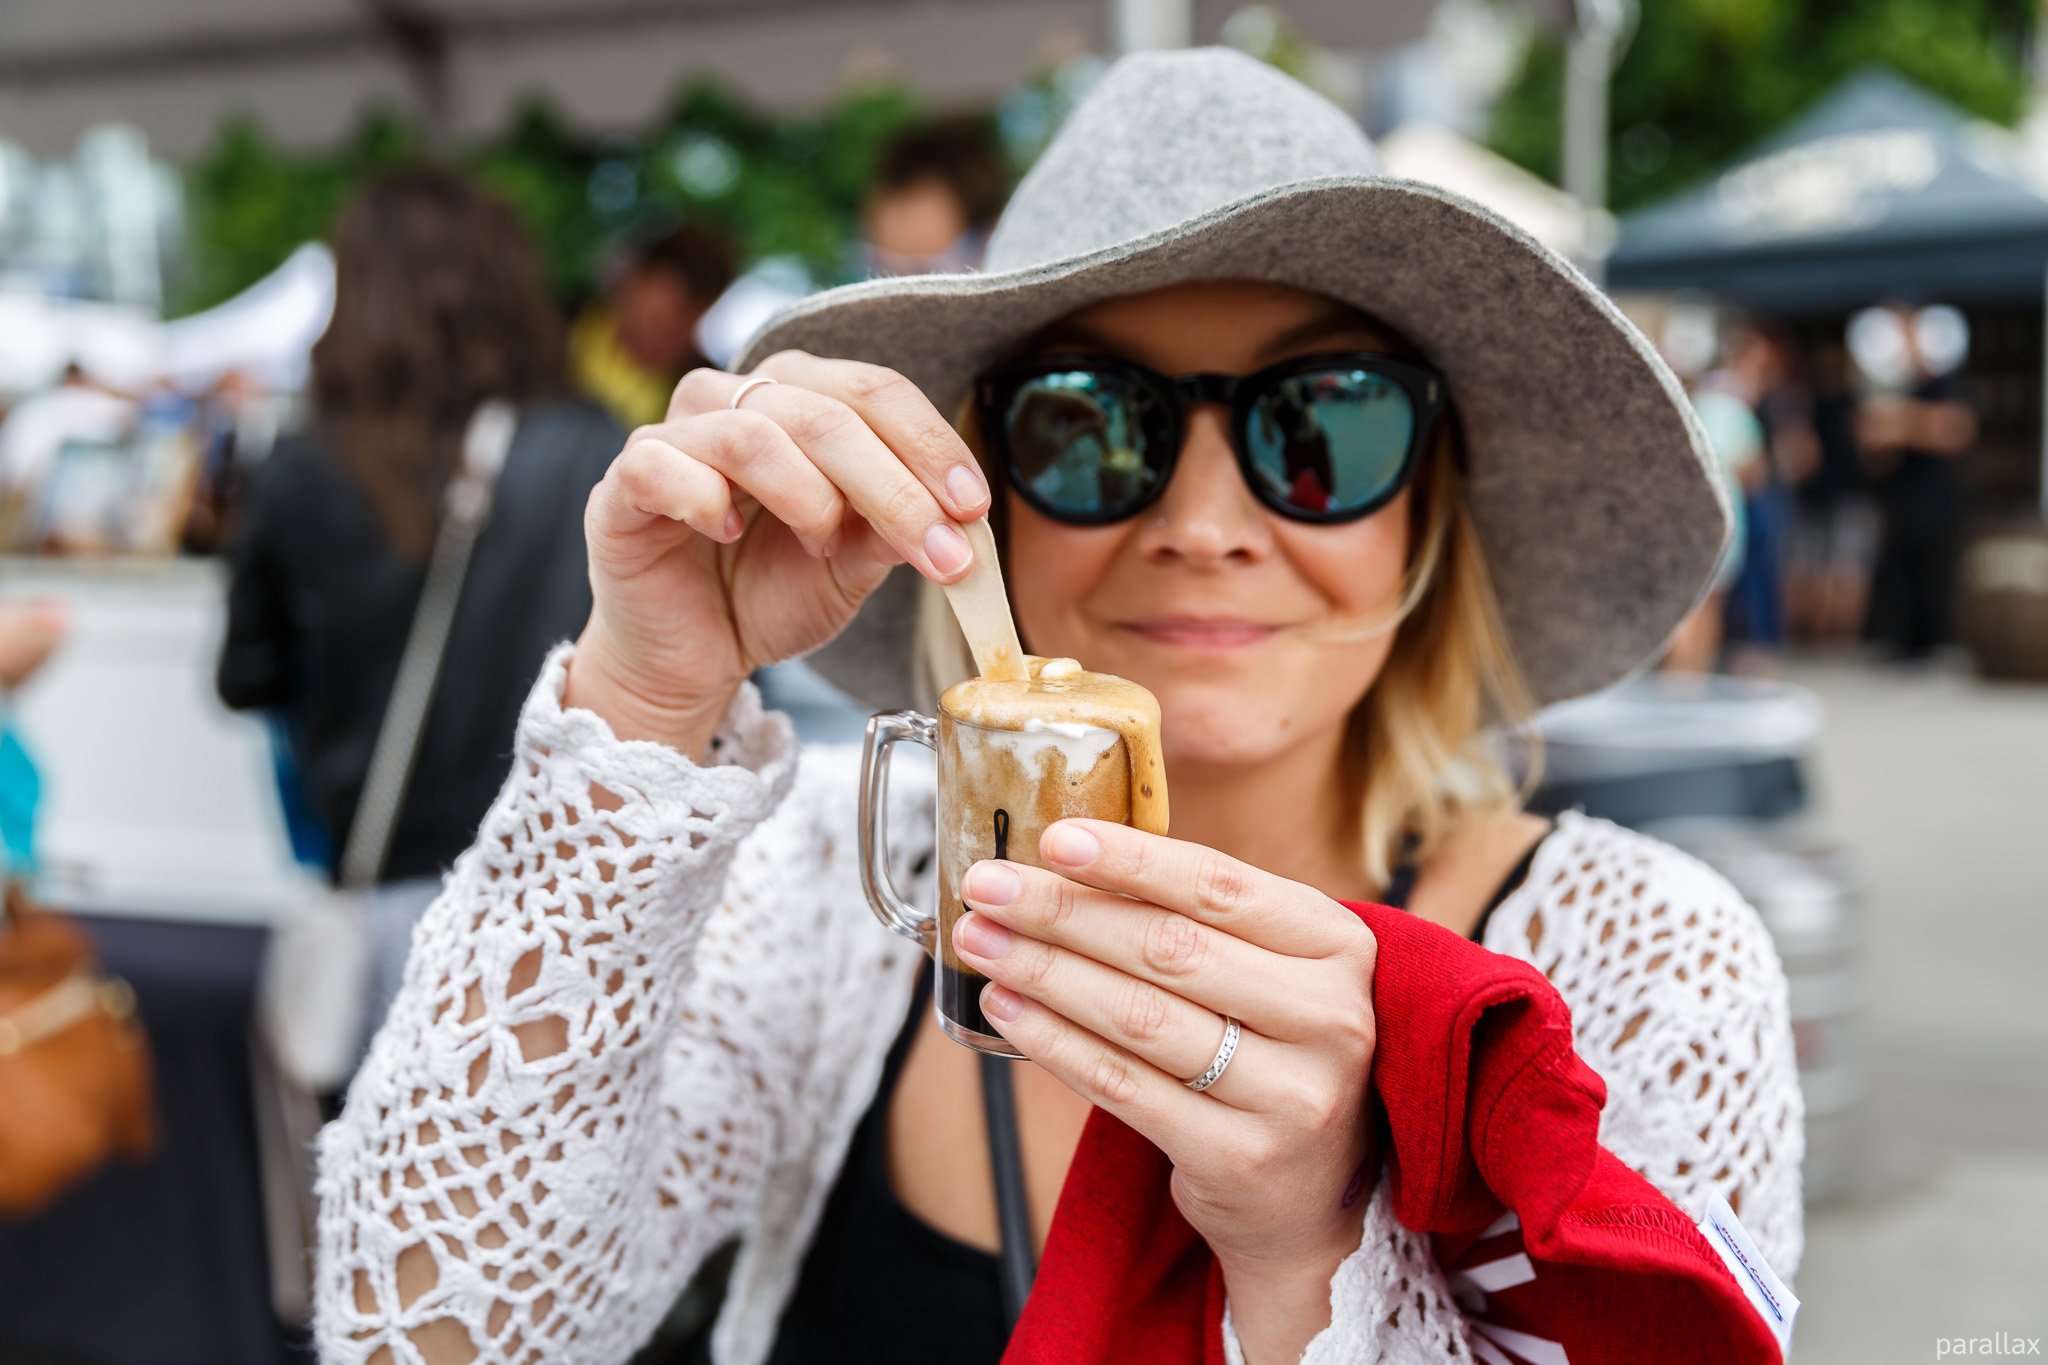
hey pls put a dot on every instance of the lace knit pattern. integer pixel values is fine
(1679, 1002)
(649, 1007)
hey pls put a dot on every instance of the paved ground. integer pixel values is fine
(1940, 786)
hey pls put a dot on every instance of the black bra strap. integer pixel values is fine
(1013, 1211)
(1400, 884)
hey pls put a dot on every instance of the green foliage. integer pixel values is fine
(784, 186)
(1705, 80)
(543, 170)
(250, 205)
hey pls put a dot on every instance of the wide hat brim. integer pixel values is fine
(1598, 512)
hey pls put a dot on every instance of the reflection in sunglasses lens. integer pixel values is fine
(1078, 440)
(1329, 441)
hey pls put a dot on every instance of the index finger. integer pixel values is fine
(1243, 901)
(897, 412)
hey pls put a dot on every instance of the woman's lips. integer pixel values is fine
(1189, 632)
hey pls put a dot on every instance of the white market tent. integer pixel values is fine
(266, 332)
(1431, 152)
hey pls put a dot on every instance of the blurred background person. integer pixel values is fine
(1914, 442)
(1756, 371)
(936, 192)
(221, 432)
(628, 349)
(1725, 401)
(1836, 539)
(30, 632)
(38, 428)
(440, 306)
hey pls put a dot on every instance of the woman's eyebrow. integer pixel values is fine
(1337, 321)
(1073, 335)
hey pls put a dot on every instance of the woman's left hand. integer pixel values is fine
(1115, 973)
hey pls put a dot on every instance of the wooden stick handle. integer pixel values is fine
(983, 610)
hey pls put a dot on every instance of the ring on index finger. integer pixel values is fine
(748, 386)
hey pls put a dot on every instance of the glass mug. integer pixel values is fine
(998, 790)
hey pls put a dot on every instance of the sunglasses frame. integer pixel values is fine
(995, 390)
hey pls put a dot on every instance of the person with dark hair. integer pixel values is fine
(936, 192)
(628, 350)
(1755, 368)
(1838, 519)
(1915, 442)
(440, 307)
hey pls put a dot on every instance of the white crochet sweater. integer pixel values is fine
(727, 1002)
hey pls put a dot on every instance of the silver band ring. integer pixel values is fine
(1224, 1053)
(748, 386)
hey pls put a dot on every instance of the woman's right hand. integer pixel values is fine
(725, 539)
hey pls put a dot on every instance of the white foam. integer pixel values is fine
(1080, 744)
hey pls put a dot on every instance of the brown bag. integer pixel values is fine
(75, 1085)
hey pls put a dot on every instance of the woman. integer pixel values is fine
(440, 305)
(648, 1015)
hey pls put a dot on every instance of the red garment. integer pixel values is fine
(1488, 1112)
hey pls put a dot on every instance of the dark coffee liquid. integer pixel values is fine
(959, 999)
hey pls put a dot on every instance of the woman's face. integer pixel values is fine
(1206, 597)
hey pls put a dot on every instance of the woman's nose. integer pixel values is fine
(1207, 515)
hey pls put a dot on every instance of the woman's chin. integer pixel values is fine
(1219, 731)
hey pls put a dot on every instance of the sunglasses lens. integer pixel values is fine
(1087, 443)
(1330, 442)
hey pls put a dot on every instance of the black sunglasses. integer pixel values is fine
(1090, 440)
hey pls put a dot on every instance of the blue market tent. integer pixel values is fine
(1880, 191)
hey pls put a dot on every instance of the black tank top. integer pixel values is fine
(881, 1284)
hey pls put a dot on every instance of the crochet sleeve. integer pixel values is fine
(558, 1120)
(1679, 1001)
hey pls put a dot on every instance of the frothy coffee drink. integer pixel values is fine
(1016, 756)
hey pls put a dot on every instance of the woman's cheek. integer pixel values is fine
(1063, 568)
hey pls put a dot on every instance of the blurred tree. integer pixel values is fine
(544, 170)
(786, 186)
(1704, 80)
(250, 205)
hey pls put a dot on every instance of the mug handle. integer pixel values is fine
(886, 729)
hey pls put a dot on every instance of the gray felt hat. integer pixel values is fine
(1598, 508)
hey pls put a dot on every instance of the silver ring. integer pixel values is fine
(1224, 1053)
(748, 387)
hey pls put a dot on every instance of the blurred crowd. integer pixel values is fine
(96, 465)
(1841, 451)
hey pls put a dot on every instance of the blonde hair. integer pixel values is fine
(1418, 761)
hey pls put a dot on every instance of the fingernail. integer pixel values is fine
(1070, 844)
(734, 524)
(1005, 1005)
(990, 884)
(833, 542)
(981, 937)
(947, 548)
(967, 486)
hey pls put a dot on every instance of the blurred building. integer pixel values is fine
(307, 70)
(99, 224)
